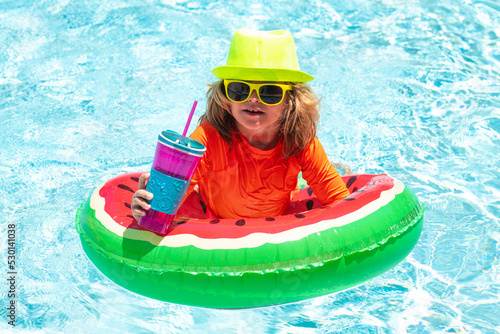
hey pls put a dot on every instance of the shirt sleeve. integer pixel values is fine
(320, 174)
(199, 135)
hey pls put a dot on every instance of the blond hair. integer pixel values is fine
(298, 124)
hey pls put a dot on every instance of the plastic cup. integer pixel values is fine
(175, 161)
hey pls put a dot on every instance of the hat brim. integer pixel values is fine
(260, 74)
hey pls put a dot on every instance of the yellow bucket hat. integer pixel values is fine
(262, 56)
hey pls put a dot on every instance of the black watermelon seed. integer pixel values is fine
(215, 221)
(240, 222)
(203, 206)
(127, 205)
(180, 222)
(355, 189)
(124, 187)
(351, 181)
(309, 204)
(298, 215)
(349, 199)
(270, 219)
(310, 191)
(133, 178)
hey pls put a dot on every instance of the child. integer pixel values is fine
(260, 132)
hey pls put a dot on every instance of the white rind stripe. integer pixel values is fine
(248, 241)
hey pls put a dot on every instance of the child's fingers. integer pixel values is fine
(140, 197)
(139, 207)
(143, 180)
(139, 204)
(138, 213)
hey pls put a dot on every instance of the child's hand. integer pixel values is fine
(343, 168)
(139, 205)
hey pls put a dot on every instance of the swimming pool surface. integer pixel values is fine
(409, 88)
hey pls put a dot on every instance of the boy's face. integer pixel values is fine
(254, 117)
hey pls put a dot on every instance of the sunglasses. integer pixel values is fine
(269, 94)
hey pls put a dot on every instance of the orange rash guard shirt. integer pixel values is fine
(244, 181)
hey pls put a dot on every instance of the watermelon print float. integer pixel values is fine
(238, 263)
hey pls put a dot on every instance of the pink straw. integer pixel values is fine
(189, 119)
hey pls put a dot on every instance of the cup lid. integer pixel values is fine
(181, 143)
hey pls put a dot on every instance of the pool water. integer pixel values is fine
(409, 88)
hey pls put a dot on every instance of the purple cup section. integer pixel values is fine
(175, 163)
(178, 157)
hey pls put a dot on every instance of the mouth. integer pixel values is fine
(253, 111)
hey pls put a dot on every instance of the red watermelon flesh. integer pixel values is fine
(303, 210)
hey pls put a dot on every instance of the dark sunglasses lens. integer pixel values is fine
(271, 94)
(238, 91)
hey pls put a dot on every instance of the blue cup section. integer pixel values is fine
(168, 192)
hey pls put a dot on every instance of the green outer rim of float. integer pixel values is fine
(226, 279)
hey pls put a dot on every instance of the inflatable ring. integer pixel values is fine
(237, 263)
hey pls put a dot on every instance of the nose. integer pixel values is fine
(253, 96)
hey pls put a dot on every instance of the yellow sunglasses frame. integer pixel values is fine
(256, 87)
